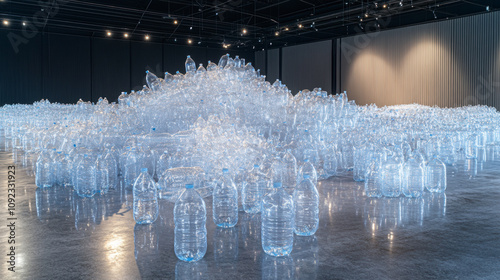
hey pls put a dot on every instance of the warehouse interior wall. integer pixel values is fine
(445, 63)
(66, 68)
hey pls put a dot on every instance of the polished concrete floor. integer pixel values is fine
(454, 236)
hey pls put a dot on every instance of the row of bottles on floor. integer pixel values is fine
(282, 215)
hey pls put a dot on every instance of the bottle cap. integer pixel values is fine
(306, 176)
(256, 166)
(144, 169)
(225, 170)
(277, 185)
(189, 186)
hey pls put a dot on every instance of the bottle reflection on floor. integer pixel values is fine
(281, 268)
(191, 270)
(306, 257)
(146, 250)
(225, 245)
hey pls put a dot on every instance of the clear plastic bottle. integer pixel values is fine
(162, 164)
(413, 177)
(190, 216)
(277, 222)
(225, 201)
(373, 187)
(145, 199)
(112, 168)
(190, 65)
(132, 170)
(85, 177)
(289, 171)
(391, 177)
(306, 207)
(307, 169)
(253, 186)
(43, 171)
(436, 176)
(101, 175)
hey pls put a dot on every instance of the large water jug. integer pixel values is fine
(413, 177)
(436, 176)
(391, 177)
(190, 216)
(85, 177)
(253, 186)
(306, 207)
(277, 222)
(145, 199)
(225, 201)
(43, 171)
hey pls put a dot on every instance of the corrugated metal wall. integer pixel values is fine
(449, 63)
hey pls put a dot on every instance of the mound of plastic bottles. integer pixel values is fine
(227, 115)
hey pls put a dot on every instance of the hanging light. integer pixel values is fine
(6, 22)
(108, 33)
(125, 35)
(175, 21)
(146, 37)
(244, 31)
(190, 41)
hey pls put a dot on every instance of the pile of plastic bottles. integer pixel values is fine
(178, 133)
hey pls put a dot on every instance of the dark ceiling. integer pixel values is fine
(267, 24)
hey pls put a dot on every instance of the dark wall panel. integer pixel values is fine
(174, 57)
(308, 66)
(66, 68)
(260, 62)
(20, 74)
(273, 65)
(144, 56)
(110, 68)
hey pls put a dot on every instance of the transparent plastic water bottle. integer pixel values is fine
(413, 178)
(190, 65)
(306, 207)
(289, 171)
(85, 177)
(277, 222)
(373, 187)
(145, 199)
(391, 177)
(101, 175)
(253, 186)
(436, 176)
(112, 168)
(307, 169)
(190, 216)
(44, 173)
(225, 201)
(132, 170)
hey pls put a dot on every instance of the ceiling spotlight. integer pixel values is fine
(190, 41)
(146, 37)
(286, 29)
(361, 20)
(125, 35)
(175, 21)
(5, 22)
(24, 23)
(190, 28)
(300, 25)
(276, 33)
(384, 6)
(434, 13)
(270, 44)
(487, 8)
(108, 33)
(244, 31)
(199, 42)
(401, 3)
(366, 15)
